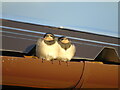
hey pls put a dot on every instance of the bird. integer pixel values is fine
(47, 47)
(66, 50)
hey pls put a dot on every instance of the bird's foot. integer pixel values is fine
(67, 62)
(59, 62)
(43, 60)
(52, 61)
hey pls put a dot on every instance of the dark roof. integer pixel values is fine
(20, 35)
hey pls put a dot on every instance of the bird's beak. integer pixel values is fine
(65, 41)
(48, 38)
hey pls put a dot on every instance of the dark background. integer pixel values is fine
(19, 40)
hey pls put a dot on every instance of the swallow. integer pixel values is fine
(66, 49)
(47, 47)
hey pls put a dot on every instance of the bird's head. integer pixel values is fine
(49, 37)
(64, 40)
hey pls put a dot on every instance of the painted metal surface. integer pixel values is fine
(97, 75)
(29, 72)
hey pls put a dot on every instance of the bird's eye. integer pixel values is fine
(51, 36)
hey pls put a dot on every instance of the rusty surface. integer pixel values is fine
(31, 72)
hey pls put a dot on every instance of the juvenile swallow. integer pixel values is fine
(47, 47)
(66, 49)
